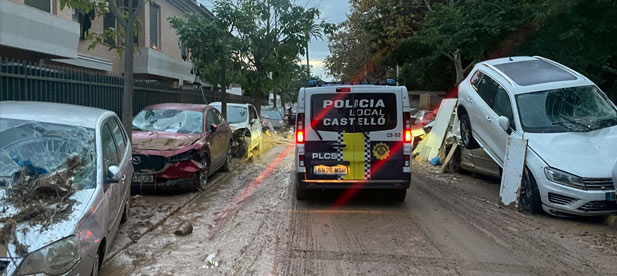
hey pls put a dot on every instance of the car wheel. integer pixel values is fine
(398, 195)
(466, 135)
(96, 265)
(202, 177)
(127, 211)
(302, 193)
(530, 195)
(227, 166)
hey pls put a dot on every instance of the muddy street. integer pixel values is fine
(249, 223)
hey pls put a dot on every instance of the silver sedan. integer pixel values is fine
(64, 187)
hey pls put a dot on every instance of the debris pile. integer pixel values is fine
(38, 199)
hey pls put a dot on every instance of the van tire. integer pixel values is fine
(398, 195)
(466, 134)
(530, 195)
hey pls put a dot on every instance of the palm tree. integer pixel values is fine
(312, 29)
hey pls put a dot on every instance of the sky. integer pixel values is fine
(333, 11)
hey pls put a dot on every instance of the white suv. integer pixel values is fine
(570, 125)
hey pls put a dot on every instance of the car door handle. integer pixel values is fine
(488, 119)
(469, 99)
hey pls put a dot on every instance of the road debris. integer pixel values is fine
(210, 262)
(516, 150)
(184, 229)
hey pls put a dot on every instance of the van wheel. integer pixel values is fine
(398, 195)
(302, 193)
(466, 135)
(530, 195)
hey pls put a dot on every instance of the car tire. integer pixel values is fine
(466, 134)
(398, 195)
(201, 181)
(228, 164)
(96, 265)
(302, 193)
(127, 212)
(530, 195)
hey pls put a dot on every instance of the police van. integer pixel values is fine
(353, 137)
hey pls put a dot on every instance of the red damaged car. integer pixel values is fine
(177, 146)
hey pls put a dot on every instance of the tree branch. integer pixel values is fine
(428, 5)
(113, 8)
(449, 56)
(469, 65)
(140, 6)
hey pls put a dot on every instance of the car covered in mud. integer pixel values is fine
(64, 187)
(178, 146)
(272, 116)
(246, 127)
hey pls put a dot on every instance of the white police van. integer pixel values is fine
(353, 137)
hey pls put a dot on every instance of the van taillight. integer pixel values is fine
(301, 160)
(300, 128)
(407, 127)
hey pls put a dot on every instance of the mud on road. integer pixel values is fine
(251, 224)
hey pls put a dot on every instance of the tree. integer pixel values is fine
(126, 14)
(214, 49)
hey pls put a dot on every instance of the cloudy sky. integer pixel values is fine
(333, 11)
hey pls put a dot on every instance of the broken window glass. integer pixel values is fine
(568, 109)
(46, 152)
(169, 120)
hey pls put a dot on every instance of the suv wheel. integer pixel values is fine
(530, 196)
(466, 135)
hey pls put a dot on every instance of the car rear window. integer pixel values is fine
(353, 112)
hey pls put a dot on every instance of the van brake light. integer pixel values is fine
(300, 128)
(300, 136)
(407, 127)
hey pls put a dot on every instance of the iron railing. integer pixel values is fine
(30, 81)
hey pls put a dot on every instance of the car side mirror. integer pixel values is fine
(213, 127)
(504, 123)
(253, 121)
(112, 174)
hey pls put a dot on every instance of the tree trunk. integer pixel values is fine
(224, 91)
(129, 81)
(308, 66)
(458, 66)
(258, 101)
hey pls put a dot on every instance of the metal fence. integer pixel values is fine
(29, 81)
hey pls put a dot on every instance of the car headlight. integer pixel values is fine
(564, 178)
(56, 258)
(185, 156)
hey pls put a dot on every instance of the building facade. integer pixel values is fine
(40, 30)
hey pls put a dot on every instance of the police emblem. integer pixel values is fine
(381, 151)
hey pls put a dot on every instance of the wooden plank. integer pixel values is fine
(448, 158)
(516, 150)
(434, 139)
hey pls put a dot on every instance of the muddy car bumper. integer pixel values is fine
(557, 199)
(357, 184)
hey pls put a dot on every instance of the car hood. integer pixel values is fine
(236, 126)
(587, 154)
(36, 236)
(148, 140)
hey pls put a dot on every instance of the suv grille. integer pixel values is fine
(148, 163)
(561, 199)
(599, 184)
(600, 205)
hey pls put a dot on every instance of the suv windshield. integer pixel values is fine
(29, 149)
(569, 109)
(271, 114)
(169, 120)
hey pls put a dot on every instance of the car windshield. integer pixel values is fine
(271, 114)
(569, 109)
(35, 153)
(235, 114)
(169, 120)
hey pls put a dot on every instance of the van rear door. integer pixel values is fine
(349, 133)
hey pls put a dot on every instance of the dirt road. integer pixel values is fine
(251, 224)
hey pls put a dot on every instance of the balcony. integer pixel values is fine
(30, 29)
(156, 63)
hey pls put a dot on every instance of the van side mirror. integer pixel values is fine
(213, 127)
(112, 174)
(504, 123)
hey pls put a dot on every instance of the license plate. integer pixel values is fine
(330, 170)
(143, 178)
(611, 196)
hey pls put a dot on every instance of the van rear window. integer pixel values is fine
(353, 112)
